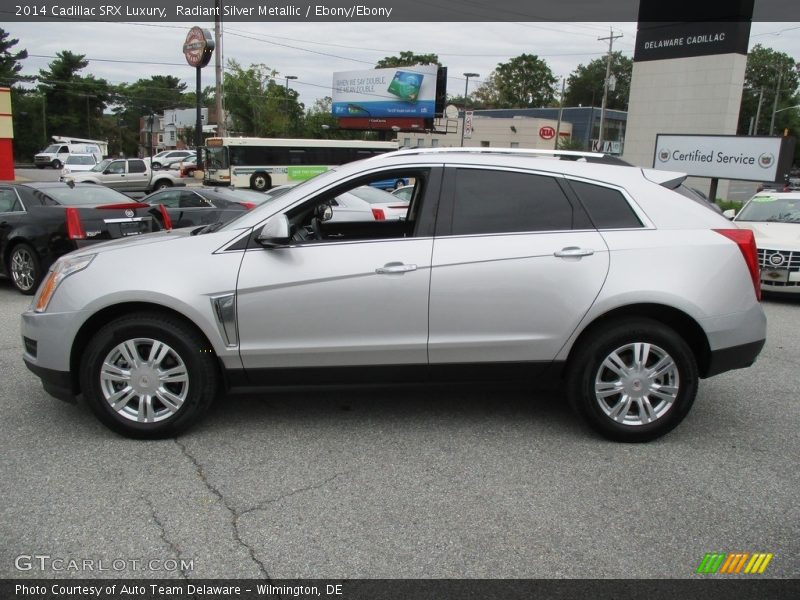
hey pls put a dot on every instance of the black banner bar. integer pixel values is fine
(707, 588)
(442, 11)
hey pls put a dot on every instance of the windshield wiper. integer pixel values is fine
(208, 228)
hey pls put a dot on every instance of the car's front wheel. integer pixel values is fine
(56, 164)
(148, 375)
(633, 381)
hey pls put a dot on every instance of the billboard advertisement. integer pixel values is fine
(750, 158)
(400, 92)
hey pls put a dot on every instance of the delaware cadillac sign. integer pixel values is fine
(198, 47)
(750, 158)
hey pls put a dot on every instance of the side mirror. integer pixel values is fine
(275, 232)
(730, 213)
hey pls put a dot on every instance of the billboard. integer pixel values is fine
(750, 158)
(400, 92)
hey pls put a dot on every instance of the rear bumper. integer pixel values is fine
(735, 357)
(59, 384)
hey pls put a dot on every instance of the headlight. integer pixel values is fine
(65, 171)
(63, 268)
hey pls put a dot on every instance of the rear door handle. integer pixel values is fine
(393, 268)
(573, 252)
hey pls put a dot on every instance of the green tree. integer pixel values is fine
(258, 103)
(764, 65)
(407, 59)
(10, 61)
(585, 83)
(525, 81)
(75, 103)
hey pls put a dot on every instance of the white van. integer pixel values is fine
(55, 155)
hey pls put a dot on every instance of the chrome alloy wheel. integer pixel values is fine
(144, 380)
(23, 269)
(637, 384)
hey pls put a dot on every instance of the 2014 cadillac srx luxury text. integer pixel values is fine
(611, 280)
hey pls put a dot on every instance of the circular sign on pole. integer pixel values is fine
(547, 132)
(198, 47)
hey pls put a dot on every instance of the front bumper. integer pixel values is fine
(59, 384)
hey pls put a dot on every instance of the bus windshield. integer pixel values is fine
(217, 158)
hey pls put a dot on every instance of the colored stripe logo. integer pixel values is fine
(734, 563)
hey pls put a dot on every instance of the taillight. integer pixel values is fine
(746, 241)
(248, 205)
(124, 205)
(74, 226)
(165, 217)
(378, 214)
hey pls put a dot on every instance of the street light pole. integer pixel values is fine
(286, 101)
(466, 92)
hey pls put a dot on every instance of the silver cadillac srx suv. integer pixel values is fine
(609, 280)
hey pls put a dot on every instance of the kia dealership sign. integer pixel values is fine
(750, 158)
(547, 132)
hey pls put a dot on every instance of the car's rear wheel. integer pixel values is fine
(148, 375)
(260, 182)
(24, 268)
(633, 381)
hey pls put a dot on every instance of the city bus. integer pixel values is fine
(261, 163)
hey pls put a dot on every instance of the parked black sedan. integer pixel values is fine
(203, 205)
(41, 221)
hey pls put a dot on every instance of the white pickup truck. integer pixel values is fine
(126, 175)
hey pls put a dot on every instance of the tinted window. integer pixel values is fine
(192, 200)
(170, 199)
(136, 166)
(501, 202)
(9, 201)
(607, 208)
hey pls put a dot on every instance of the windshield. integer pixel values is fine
(101, 166)
(86, 195)
(217, 158)
(771, 209)
(80, 160)
(52, 149)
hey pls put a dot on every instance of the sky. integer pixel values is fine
(312, 52)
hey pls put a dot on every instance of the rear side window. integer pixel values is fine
(607, 208)
(136, 166)
(505, 202)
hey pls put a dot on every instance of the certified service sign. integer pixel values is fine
(198, 47)
(750, 158)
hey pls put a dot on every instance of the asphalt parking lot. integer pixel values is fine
(418, 482)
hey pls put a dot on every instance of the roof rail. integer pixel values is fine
(595, 157)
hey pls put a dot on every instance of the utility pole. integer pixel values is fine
(610, 39)
(218, 71)
(560, 111)
(758, 110)
(775, 104)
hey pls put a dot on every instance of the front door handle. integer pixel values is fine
(573, 252)
(393, 268)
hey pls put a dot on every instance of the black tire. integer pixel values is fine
(260, 182)
(587, 370)
(25, 278)
(185, 344)
(162, 184)
(56, 164)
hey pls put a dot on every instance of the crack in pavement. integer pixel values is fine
(263, 505)
(162, 532)
(233, 512)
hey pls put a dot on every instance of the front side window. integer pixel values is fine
(116, 168)
(508, 202)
